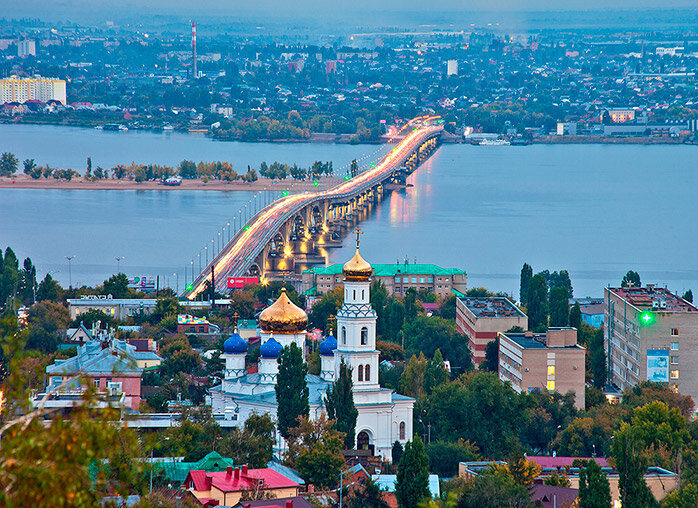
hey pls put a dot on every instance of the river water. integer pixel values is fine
(595, 210)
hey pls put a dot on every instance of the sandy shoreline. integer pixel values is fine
(26, 182)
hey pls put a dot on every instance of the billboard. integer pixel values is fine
(658, 365)
(240, 282)
(142, 283)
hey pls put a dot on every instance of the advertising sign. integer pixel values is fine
(142, 283)
(240, 282)
(658, 365)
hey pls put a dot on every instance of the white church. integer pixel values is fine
(384, 416)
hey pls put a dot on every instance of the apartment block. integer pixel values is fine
(552, 361)
(481, 319)
(651, 334)
(15, 89)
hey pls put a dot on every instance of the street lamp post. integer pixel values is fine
(70, 271)
(151, 461)
(118, 263)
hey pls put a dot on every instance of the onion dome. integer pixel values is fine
(270, 349)
(235, 344)
(283, 316)
(327, 346)
(357, 269)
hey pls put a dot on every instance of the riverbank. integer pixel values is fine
(263, 184)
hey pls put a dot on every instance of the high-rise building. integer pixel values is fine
(452, 68)
(26, 47)
(651, 334)
(14, 89)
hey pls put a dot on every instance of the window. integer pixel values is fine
(361, 372)
(96, 382)
(674, 374)
(674, 346)
(402, 431)
(364, 336)
(367, 373)
(674, 331)
(674, 360)
(430, 279)
(355, 294)
(397, 279)
(421, 280)
(414, 280)
(363, 296)
(551, 370)
(551, 385)
(344, 335)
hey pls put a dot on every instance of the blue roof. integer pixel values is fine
(235, 344)
(270, 349)
(327, 346)
(388, 482)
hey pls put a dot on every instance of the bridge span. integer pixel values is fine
(287, 234)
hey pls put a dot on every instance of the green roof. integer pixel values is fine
(177, 471)
(247, 323)
(310, 291)
(392, 270)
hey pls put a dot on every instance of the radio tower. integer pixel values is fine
(193, 49)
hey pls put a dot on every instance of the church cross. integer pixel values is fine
(358, 240)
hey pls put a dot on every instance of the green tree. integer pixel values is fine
(491, 361)
(48, 289)
(165, 307)
(631, 279)
(412, 379)
(447, 310)
(379, 302)
(253, 445)
(685, 497)
(396, 452)
(8, 164)
(26, 287)
(291, 389)
(117, 286)
(187, 169)
(340, 405)
(594, 490)
(576, 316)
(631, 464)
(427, 334)
(326, 306)
(537, 304)
(444, 456)
(315, 451)
(367, 494)
(526, 275)
(559, 307)
(688, 296)
(435, 373)
(44, 321)
(495, 488)
(412, 484)
(91, 317)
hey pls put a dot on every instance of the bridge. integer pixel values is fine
(292, 232)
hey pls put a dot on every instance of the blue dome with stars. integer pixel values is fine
(235, 344)
(270, 349)
(327, 346)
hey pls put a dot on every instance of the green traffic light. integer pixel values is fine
(647, 318)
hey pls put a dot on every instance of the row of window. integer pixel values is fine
(364, 372)
(406, 280)
(364, 335)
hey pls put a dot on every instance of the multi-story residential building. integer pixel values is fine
(550, 361)
(651, 334)
(14, 89)
(397, 278)
(481, 319)
(118, 308)
(26, 48)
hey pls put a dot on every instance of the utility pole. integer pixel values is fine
(70, 271)
(118, 262)
(213, 289)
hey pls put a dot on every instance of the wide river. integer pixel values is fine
(595, 210)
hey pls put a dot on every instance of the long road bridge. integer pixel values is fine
(289, 233)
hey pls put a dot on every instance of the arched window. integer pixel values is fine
(362, 294)
(361, 372)
(364, 336)
(344, 335)
(355, 294)
(402, 431)
(367, 373)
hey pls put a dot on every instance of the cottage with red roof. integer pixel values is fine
(227, 487)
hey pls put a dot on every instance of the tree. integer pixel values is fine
(537, 304)
(117, 286)
(340, 405)
(521, 470)
(291, 389)
(426, 334)
(31, 169)
(326, 306)
(379, 302)
(165, 307)
(48, 289)
(187, 169)
(447, 310)
(253, 445)
(444, 456)
(8, 164)
(26, 288)
(315, 451)
(495, 488)
(631, 279)
(559, 307)
(367, 494)
(491, 361)
(412, 379)
(396, 452)
(576, 316)
(688, 296)
(435, 373)
(594, 490)
(526, 275)
(44, 321)
(631, 464)
(685, 497)
(412, 484)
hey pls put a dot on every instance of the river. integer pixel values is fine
(595, 210)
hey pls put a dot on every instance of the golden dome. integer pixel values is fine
(357, 269)
(283, 316)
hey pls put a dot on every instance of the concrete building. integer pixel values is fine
(452, 68)
(14, 89)
(592, 310)
(115, 307)
(26, 48)
(651, 334)
(550, 361)
(481, 319)
(397, 278)
(566, 128)
(621, 115)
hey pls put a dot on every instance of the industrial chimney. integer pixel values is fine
(193, 49)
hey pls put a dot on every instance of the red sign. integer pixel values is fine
(240, 282)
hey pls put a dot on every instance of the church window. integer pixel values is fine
(367, 373)
(344, 335)
(402, 431)
(363, 294)
(364, 336)
(355, 294)
(361, 372)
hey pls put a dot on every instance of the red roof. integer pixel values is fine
(239, 479)
(555, 462)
